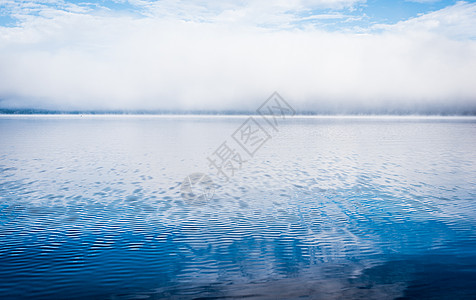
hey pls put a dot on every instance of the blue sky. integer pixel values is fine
(348, 13)
(227, 55)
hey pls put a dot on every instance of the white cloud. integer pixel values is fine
(73, 60)
(423, 1)
(457, 21)
(252, 12)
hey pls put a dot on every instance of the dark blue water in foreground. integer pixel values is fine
(329, 208)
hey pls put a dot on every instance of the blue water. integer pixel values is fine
(328, 208)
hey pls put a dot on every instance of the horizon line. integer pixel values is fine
(305, 113)
(299, 116)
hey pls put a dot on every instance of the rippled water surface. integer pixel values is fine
(328, 208)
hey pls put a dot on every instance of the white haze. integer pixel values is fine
(104, 61)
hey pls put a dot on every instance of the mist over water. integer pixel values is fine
(216, 56)
(305, 108)
(328, 208)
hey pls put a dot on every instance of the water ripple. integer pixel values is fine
(327, 209)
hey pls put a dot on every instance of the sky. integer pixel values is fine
(323, 56)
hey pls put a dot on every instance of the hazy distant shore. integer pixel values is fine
(28, 112)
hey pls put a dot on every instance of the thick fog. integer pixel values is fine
(233, 60)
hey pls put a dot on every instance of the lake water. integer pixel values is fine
(326, 208)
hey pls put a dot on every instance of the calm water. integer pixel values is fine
(328, 208)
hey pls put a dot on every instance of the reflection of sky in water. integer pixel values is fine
(333, 207)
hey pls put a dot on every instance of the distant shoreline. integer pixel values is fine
(299, 116)
(322, 113)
